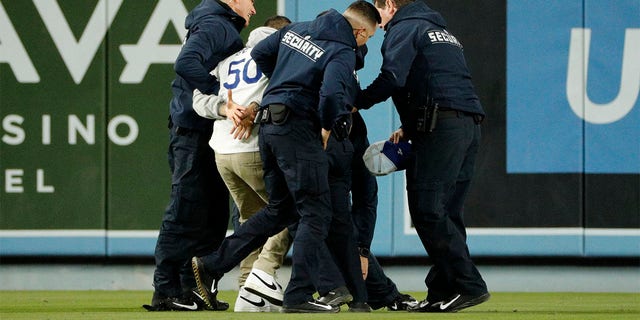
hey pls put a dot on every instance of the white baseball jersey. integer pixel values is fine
(240, 74)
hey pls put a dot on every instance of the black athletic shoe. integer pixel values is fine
(422, 306)
(310, 307)
(337, 297)
(158, 303)
(207, 286)
(402, 302)
(455, 303)
(171, 304)
(359, 307)
(202, 305)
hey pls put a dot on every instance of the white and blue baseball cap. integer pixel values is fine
(384, 157)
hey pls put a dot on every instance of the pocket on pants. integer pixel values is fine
(426, 200)
(313, 170)
(182, 205)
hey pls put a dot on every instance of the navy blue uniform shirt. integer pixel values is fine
(214, 34)
(310, 67)
(421, 58)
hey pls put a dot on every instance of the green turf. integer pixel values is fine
(127, 305)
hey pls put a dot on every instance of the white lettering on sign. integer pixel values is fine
(40, 185)
(12, 51)
(577, 70)
(46, 129)
(113, 134)
(148, 50)
(13, 180)
(14, 133)
(14, 183)
(78, 54)
(77, 129)
(88, 131)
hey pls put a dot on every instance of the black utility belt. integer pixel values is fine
(274, 113)
(428, 116)
(181, 131)
(445, 112)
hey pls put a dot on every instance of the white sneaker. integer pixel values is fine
(264, 285)
(249, 302)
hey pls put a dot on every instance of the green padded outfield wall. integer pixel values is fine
(84, 100)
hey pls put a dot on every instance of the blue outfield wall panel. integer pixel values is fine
(569, 242)
(383, 238)
(492, 245)
(595, 127)
(543, 134)
(53, 243)
(407, 245)
(612, 243)
(569, 245)
(611, 97)
(53, 247)
(131, 243)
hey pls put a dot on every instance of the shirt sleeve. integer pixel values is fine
(190, 63)
(398, 52)
(336, 79)
(207, 105)
(365, 223)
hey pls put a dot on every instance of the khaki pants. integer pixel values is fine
(243, 175)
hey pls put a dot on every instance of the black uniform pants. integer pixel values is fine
(295, 173)
(341, 240)
(196, 219)
(381, 290)
(438, 182)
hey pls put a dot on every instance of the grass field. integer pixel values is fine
(127, 305)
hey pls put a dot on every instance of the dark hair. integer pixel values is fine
(399, 3)
(276, 22)
(366, 10)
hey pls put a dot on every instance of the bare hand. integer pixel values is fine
(243, 129)
(364, 265)
(235, 112)
(325, 137)
(397, 136)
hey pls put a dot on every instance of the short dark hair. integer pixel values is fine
(399, 3)
(366, 10)
(276, 22)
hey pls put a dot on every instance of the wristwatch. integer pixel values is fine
(364, 252)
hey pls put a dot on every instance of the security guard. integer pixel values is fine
(381, 291)
(308, 64)
(194, 222)
(425, 73)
